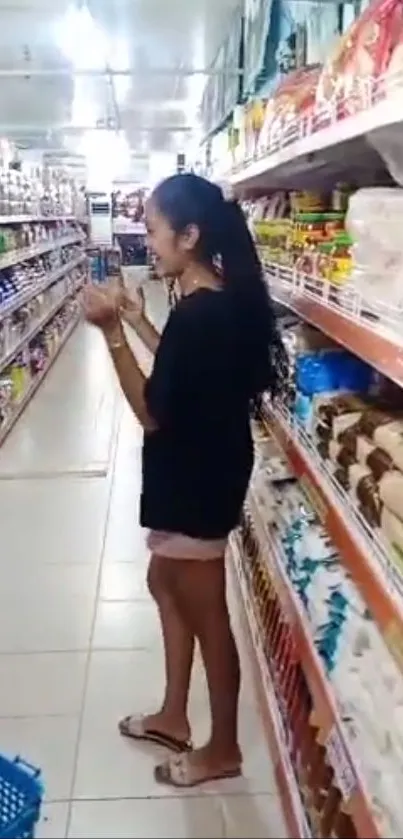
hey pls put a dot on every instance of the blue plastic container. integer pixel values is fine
(21, 794)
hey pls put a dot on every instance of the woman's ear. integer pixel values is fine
(190, 237)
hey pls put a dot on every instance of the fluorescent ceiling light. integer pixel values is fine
(107, 155)
(81, 39)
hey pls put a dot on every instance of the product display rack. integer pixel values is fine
(24, 254)
(21, 300)
(317, 760)
(321, 138)
(252, 634)
(37, 381)
(344, 317)
(39, 324)
(24, 219)
(328, 722)
(364, 556)
(34, 298)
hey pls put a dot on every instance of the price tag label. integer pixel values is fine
(314, 497)
(341, 763)
(394, 640)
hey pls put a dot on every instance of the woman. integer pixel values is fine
(219, 350)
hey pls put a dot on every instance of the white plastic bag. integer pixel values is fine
(375, 222)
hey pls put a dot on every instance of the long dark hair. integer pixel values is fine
(226, 244)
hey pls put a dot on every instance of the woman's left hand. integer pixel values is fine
(101, 306)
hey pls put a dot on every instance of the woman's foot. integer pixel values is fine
(199, 767)
(159, 728)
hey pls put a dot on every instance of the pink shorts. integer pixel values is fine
(177, 546)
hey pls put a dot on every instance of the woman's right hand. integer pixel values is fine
(132, 304)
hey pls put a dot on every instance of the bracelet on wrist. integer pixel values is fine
(115, 338)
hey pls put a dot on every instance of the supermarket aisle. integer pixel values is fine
(79, 642)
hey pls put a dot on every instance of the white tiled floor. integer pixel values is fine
(79, 639)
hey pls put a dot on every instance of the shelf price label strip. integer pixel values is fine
(383, 606)
(15, 257)
(326, 714)
(292, 806)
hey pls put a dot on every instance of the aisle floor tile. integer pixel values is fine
(112, 767)
(41, 684)
(53, 821)
(121, 683)
(125, 541)
(47, 582)
(132, 682)
(59, 520)
(71, 422)
(45, 625)
(175, 818)
(124, 581)
(129, 625)
(256, 816)
(48, 743)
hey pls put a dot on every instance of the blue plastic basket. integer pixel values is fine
(21, 795)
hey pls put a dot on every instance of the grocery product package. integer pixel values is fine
(348, 81)
(388, 142)
(389, 437)
(392, 530)
(323, 377)
(375, 222)
(364, 491)
(391, 492)
(293, 97)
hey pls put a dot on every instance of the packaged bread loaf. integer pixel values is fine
(389, 437)
(391, 492)
(342, 477)
(345, 458)
(365, 491)
(341, 413)
(375, 458)
(323, 449)
(334, 449)
(363, 448)
(323, 431)
(370, 420)
(392, 530)
(348, 439)
(379, 462)
(340, 455)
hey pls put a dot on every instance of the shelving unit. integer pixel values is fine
(321, 145)
(316, 727)
(343, 316)
(37, 381)
(33, 308)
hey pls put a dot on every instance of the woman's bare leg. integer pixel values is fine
(178, 639)
(200, 589)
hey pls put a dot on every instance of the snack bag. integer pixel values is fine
(362, 56)
(294, 96)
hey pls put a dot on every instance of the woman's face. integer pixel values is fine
(173, 251)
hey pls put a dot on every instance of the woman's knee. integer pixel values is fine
(200, 593)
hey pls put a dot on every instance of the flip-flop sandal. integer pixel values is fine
(135, 728)
(180, 772)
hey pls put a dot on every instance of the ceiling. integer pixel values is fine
(57, 80)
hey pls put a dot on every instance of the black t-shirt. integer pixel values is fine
(197, 465)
